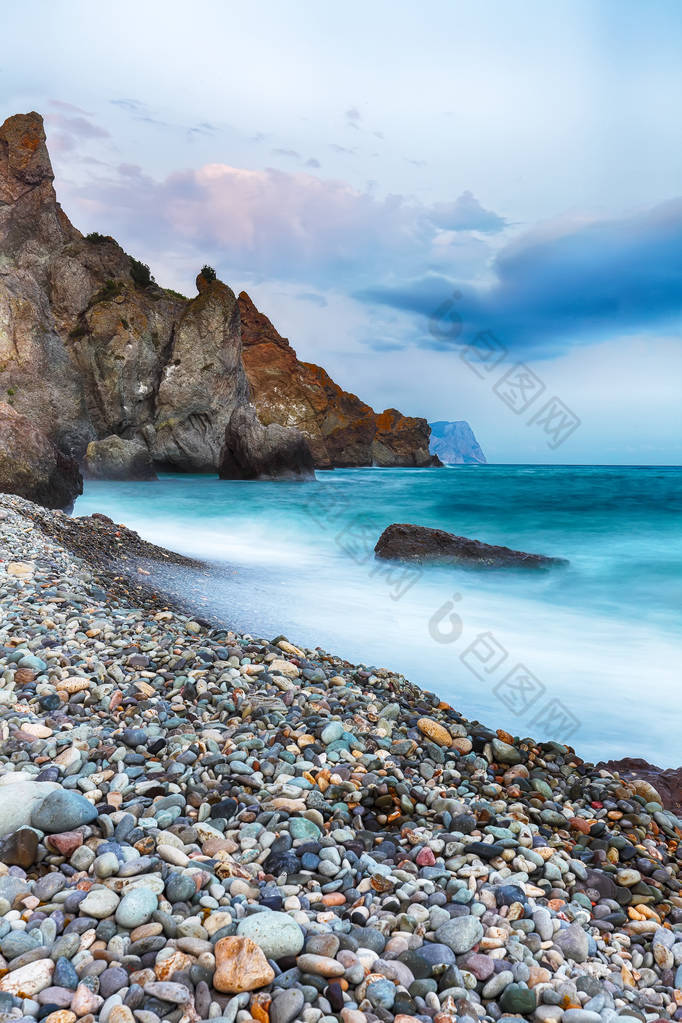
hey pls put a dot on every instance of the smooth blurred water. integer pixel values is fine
(599, 643)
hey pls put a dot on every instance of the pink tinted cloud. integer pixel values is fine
(292, 225)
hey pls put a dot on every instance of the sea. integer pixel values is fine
(589, 653)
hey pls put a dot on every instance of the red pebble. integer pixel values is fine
(425, 857)
(65, 843)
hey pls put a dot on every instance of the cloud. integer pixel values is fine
(68, 133)
(293, 153)
(281, 225)
(466, 214)
(78, 127)
(376, 344)
(132, 105)
(314, 298)
(69, 108)
(144, 113)
(204, 128)
(289, 225)
(312, 162)
(565, 282)
(342, 149)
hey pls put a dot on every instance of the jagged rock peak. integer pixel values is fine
(342, 430)
(256, 327)
(24, 159)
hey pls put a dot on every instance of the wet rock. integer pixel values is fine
(115, 458)
(405, 542)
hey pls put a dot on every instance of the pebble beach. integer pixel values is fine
(199, 824)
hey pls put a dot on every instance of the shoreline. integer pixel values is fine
(420, 866)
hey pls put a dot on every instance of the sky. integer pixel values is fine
(462, 210)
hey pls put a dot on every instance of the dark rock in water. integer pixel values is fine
(254, 451)
(405, 542)
(32, 467)
(115, 458)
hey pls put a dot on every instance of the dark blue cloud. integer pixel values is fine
(562, 284)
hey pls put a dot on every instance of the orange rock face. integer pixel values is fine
(341, 429)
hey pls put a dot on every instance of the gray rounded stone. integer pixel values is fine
(331, 732)
(460, 934)
(63, 810)
(136, 907)
(100, 903)
(573, 942)
(277, 934)
(287, 1006)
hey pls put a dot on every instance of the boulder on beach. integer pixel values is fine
(405, 542)
(655, 784)
(32, 466)
(253, 451)
(115, 458)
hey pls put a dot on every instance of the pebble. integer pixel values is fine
(100, 903)
(460, 934)
(62, 810)
(240, 966)
(136, 907)
(277, 934)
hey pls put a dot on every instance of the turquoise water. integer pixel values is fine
(590, 652)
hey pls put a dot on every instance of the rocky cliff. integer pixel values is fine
(455, 443)
(341, 429)
(92, 348)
